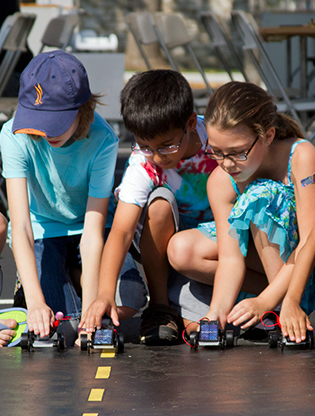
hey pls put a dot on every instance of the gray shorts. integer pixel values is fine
(192, 299)
(159, 192)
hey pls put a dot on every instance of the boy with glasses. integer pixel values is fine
(163, 190)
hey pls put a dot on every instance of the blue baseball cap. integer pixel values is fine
(53, 87)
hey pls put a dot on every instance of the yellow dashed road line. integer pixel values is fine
(103, 372)
(108, 353)
(90, 414)
(96, 395)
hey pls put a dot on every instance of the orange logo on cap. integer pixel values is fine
(39, 93)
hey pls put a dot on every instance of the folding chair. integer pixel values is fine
(141, 25)
(172, 32)
(221, 42)
(248, 31)
(158, 30)
(13, 36)
(59, 31)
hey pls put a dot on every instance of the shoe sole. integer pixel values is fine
(165, 336)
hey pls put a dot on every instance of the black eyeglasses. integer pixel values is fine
(163, 151)
(233, 156)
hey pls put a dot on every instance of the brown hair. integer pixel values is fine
(243, 103)
(86, 117)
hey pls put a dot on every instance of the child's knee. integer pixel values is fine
(159, 210)
(179, 251)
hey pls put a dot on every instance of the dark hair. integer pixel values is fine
(155, 101)
(86, 115)
(237, 103)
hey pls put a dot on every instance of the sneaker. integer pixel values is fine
(159, 325)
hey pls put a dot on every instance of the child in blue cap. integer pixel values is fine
(58, 160)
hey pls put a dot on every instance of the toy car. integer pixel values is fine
(275, 339)
(210, 335)
(54, 339)
(106, 337)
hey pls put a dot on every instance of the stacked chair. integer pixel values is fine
(59, 31)
(221, 42)
(169, 31)
(300, 109)
(13, 37)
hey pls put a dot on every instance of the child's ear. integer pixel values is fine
(192, 122)
(270, 135)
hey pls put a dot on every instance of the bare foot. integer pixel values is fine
(7, 334)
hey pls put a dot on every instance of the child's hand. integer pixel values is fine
(248, 310)
(213, 315)
(40, 319)
(93, 316)
(294, 321)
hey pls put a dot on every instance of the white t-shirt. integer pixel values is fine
(187, 181)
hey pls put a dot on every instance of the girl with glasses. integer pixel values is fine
(262, 213)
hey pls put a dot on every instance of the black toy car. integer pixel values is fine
(106, 337)
(275, 339)
(54, 339)
(210, 335)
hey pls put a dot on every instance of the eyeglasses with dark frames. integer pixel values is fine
(163, 151)
(232, 156)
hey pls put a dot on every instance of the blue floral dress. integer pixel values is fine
(270, 205)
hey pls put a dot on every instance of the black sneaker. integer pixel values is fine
(159, 325)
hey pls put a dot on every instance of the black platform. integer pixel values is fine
(246, 380)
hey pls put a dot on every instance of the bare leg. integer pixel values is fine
(3, 231)
(157, 231)
(124, 312)
(159, 320)
(194, 255)
(268, 253)
(7, 334)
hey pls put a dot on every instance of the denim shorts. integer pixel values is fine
(57, 257)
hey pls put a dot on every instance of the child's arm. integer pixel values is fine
(91, 247)
(250, 310)
(116, 248)
(293, 319)
(40, 317)
(231, 266)
(303, 162)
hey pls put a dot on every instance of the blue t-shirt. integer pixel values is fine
(59, 180)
